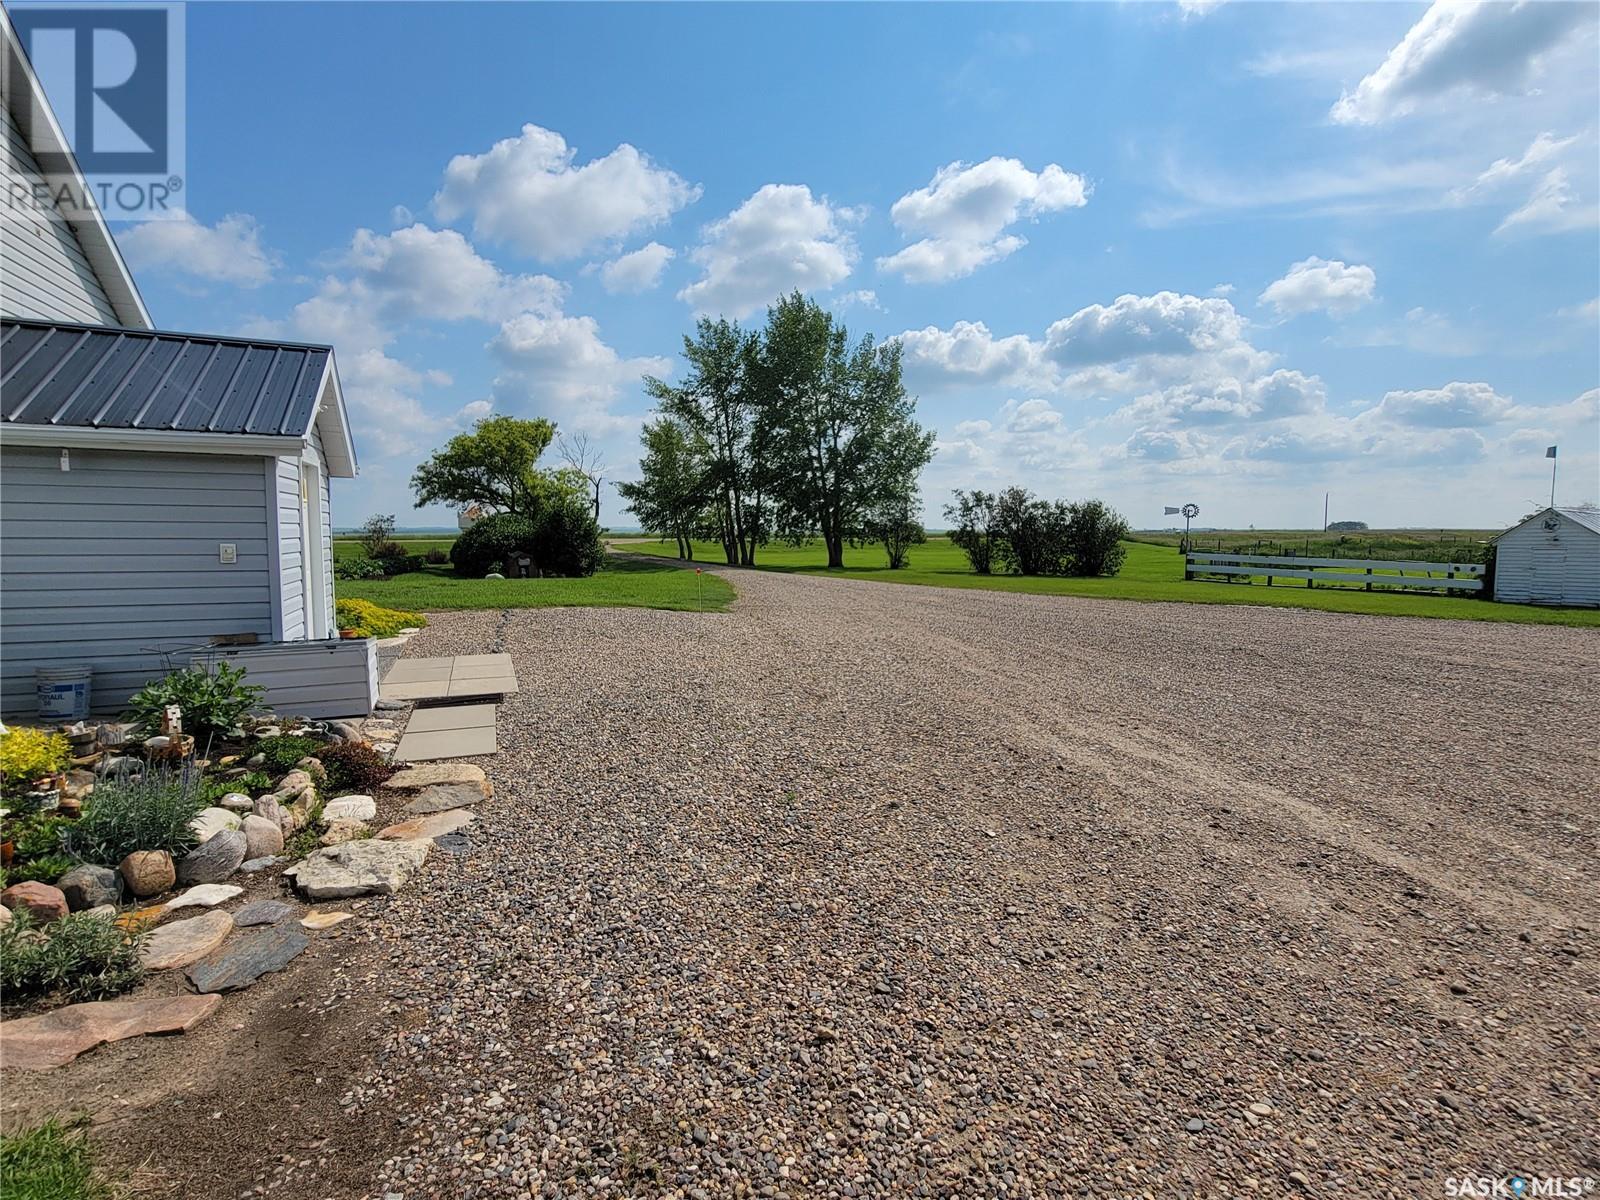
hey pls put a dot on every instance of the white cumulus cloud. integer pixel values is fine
(558, 366)
(527, 192)
(1454, 406)
(228, 252)
(1319, 285)
(1482, 48)
(638, 270)
(964, 212)
(780, 239)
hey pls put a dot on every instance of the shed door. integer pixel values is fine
(1548, 583)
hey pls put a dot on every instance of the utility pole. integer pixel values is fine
(1324, 512)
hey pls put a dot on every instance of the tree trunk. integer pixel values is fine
(835, 550)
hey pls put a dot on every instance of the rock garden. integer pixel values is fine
(200, 838)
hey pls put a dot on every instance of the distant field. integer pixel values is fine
(1151, 572)
(350, 547)
(1433, 544)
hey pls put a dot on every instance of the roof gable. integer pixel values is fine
(1586, 518)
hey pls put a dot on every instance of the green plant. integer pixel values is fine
(566, 541)
(435, 556)
(26, 754)
(46, 868)
(212, 702)
(52, 1161)
(284, 751)
(353, 767)
(127, 813)
(377, 535)
(358, 567)
(367, 619)
(79, 957)
(484, 547)
(252, 783)
(37, 834)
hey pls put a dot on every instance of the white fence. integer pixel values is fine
(1388, 573)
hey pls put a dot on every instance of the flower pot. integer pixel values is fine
(350, 635)
(8, 851)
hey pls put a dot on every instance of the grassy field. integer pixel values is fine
(1151, 572)
(350, 547)
(1436, 545)
(621, 583)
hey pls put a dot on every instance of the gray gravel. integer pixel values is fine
(860, 890)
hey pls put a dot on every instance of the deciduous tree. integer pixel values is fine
(494, 465)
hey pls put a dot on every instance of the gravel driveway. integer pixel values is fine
(860, 890)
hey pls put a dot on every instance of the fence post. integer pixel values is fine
(1369, 579)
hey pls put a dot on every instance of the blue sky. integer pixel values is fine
(1237, 253)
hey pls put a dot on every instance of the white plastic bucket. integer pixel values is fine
(63, 692)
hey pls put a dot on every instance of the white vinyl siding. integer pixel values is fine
(115, 561)
(43, 271)
(1535, 565)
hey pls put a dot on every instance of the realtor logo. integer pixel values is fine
(114, 77)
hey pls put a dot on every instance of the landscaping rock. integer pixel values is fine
(348, 730)
(324, 920)
(89, 887)
(214, 860)
(213, 821)
(203, 895)
(46, 903)
(359, 868)
(237, 802)
(343, 829)
(263, 912)
(148, 872)
(252, 865)
(297, 780)
(136, 919)
(252, 954)
(56, 1038)
(302, 810)
(362, 808)
(263, 838)
(429, 826)
(441, 797)
(108, 911)
(182, 942)
(314, 768)
(427, 774)
(5, 916)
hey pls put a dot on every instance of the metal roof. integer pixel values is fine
(1587, 517)
(102, 377)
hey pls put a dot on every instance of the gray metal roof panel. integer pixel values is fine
(90, 376)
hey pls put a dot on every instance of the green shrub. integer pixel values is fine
(79, 957)
(353, 767)
(212, 703)
(1094, 536)
(358, 567)
(52, 1161)
(435, 556)
(125, 813)
(484, 546)
(372, 620)
(26, 754)
(566, 541)
(46, 868)
(284, 751)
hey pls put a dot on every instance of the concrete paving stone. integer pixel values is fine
(451, 716)
(447, 743)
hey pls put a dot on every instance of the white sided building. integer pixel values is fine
(1553, 557)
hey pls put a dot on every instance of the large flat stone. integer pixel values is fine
(204, 895)
(182, 942)
(428, 827)
(248, 957)
(441, 797)
(427, 774)
(56, 1038)
(214, 859)
(366, 867)
(357, 808)
(264, 912)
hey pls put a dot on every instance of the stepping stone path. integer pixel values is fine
(263, 912)
(428, 827)
(204, 895)
(358, 808)
(426, 775)
(324, 920)
(184, 942)
(56, 1038)
(247, 958)
(362, 868)
(441, 797)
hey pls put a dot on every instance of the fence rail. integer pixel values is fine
(1466, 577)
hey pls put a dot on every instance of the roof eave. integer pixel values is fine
(332, 420)
(150, 441)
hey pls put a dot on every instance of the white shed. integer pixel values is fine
(1552, 557)
(163, 496)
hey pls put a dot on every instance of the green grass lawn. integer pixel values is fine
(620, 583)
(50, 1162)
(346, 546)
(1151, 572)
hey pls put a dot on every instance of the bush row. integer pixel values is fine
(1020, 534)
